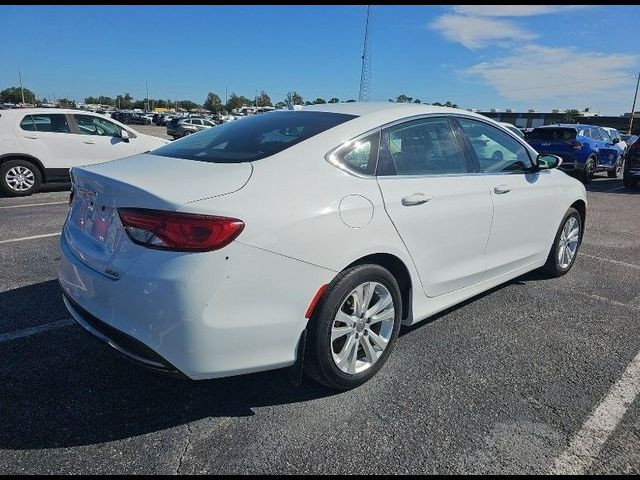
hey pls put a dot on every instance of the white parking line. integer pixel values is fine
(617, 262)
(587, 443)
(27, 332)
(30, 238)
(34, 204)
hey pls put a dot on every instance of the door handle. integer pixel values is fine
(416, 199)
(89, 142)
(502, 189)
(32, 137)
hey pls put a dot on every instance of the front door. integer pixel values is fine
(522, 198)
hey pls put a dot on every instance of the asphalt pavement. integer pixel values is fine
(504, 383)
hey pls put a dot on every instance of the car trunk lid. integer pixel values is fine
(93, 230)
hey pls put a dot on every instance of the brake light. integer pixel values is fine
(576, 145)
(184, 232)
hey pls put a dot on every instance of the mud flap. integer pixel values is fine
(296, 370)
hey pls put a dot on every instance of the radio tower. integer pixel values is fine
(365, 76)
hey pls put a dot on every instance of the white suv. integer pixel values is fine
(39, 145)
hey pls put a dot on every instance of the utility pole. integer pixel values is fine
(365, 76)
(22, 89)
(633, 108)
(226, 89)
(147, 87)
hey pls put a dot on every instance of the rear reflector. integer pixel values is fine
(184, 232)
(315, 301)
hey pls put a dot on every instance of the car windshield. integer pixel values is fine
(252, 138)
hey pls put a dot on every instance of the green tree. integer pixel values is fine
(350, 100)
(404, 99)
(280, 105)
(571, 116)
(334, 100)
(14, 95)
(319, 101)
(188, 105)
(213, 103)
(417, 100)
(66, 103)
(236, 101)
(294, 98)
(263, 100)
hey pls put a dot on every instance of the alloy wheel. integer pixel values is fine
(568, 243)
(362, 328)
(20, 179)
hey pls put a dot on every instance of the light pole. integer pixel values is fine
(633, 108)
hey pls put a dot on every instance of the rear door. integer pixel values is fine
(441, 211)
(523, 198)
(48, 137)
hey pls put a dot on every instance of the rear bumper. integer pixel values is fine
(215, 314)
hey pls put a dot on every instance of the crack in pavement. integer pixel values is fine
(186, 447)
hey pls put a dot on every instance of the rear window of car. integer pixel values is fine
(553, 133)
(253, 138)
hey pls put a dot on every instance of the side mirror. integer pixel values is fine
(124, 135)
(616, 140)
(548, 161)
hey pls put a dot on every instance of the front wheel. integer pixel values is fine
(354, 327)
(565, 245)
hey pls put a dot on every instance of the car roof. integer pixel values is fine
(576, 126)
(35, 111)
(367, 108)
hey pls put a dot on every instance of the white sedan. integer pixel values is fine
(306, 238)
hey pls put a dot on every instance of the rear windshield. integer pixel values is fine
(553, 133)
(252, 138)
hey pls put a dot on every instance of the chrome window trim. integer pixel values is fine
(330, 156)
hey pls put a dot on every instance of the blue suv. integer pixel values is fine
(585, 149)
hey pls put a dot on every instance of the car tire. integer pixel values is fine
(615, 173)
(19, 178)
(330, 357)
(589, 170)
(561, 257)
(629, 182)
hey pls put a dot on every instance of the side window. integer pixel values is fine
(361, 155)
(595, 134)
(27, 124)
(605, 135)
(90, 125)
(421, 147)
(496, 151)
(56, 123)
(196, 122)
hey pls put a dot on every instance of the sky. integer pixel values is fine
(538, 56)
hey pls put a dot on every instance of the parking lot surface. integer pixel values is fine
(534, 376)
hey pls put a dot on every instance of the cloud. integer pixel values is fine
(535, 73)
(476, 32)
(513, 10)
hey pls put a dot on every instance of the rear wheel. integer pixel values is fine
(354, 327)
(565, 246)
(629, 181)
(589, 170)
(617, 171)
(19, 178)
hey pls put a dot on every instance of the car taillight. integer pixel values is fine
(185, 232)
(576, 145)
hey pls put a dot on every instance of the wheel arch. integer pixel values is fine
(23, 156)
(400, 272)
(581, 207)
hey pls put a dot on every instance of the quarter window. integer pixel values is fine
(496, 151)
(55, 123)
(361, 155)
(421, 147)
